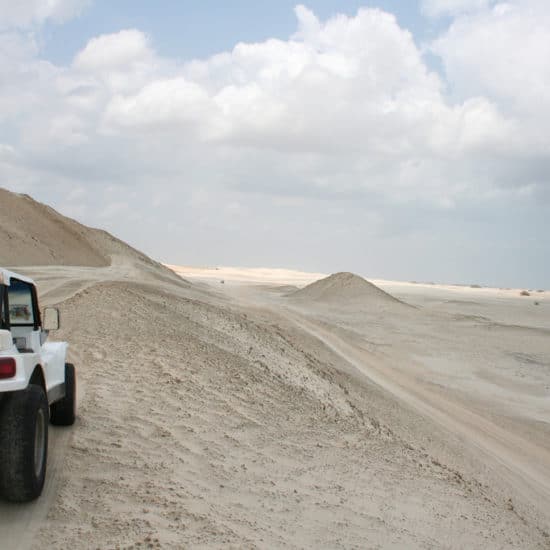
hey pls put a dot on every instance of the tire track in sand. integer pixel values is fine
(523, 464)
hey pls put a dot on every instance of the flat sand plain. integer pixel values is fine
(249, 415)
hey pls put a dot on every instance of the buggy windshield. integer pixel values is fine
(20, 301)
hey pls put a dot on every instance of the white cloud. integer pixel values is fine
(345, 112)
(502, 53)
(352, 92)
(121, 50)
(351, 96)
(171, 103)
(23, 13)
(347, 75)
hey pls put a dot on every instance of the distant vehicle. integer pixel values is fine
(37, 386)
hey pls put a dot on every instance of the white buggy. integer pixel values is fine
(37, 386)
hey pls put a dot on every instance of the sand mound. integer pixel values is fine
(345, 288)
(35, 234)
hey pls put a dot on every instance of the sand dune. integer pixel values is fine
(35, 234)
(345, 289)
(234, 416)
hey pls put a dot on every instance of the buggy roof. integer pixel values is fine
(6, 277)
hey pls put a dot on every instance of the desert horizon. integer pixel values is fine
(282, 275)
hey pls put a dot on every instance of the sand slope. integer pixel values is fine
(217, 425)
(35, 234)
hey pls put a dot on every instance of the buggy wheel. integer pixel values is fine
(23, 444)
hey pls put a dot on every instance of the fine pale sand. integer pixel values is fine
(253, 414)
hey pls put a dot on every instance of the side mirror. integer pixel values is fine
(50, 320)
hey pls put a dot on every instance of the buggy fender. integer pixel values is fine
(53, 356)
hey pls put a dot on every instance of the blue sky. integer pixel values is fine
(185, 29)
(344, 145)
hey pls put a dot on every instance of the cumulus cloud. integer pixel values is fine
(172, 103)
(352, 91)
(23, 13)
(501, 53)
(123, 49)
(286, 94)
(119, 62)
(344, 120)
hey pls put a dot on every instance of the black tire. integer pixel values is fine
(63, 412)
(23, 444)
